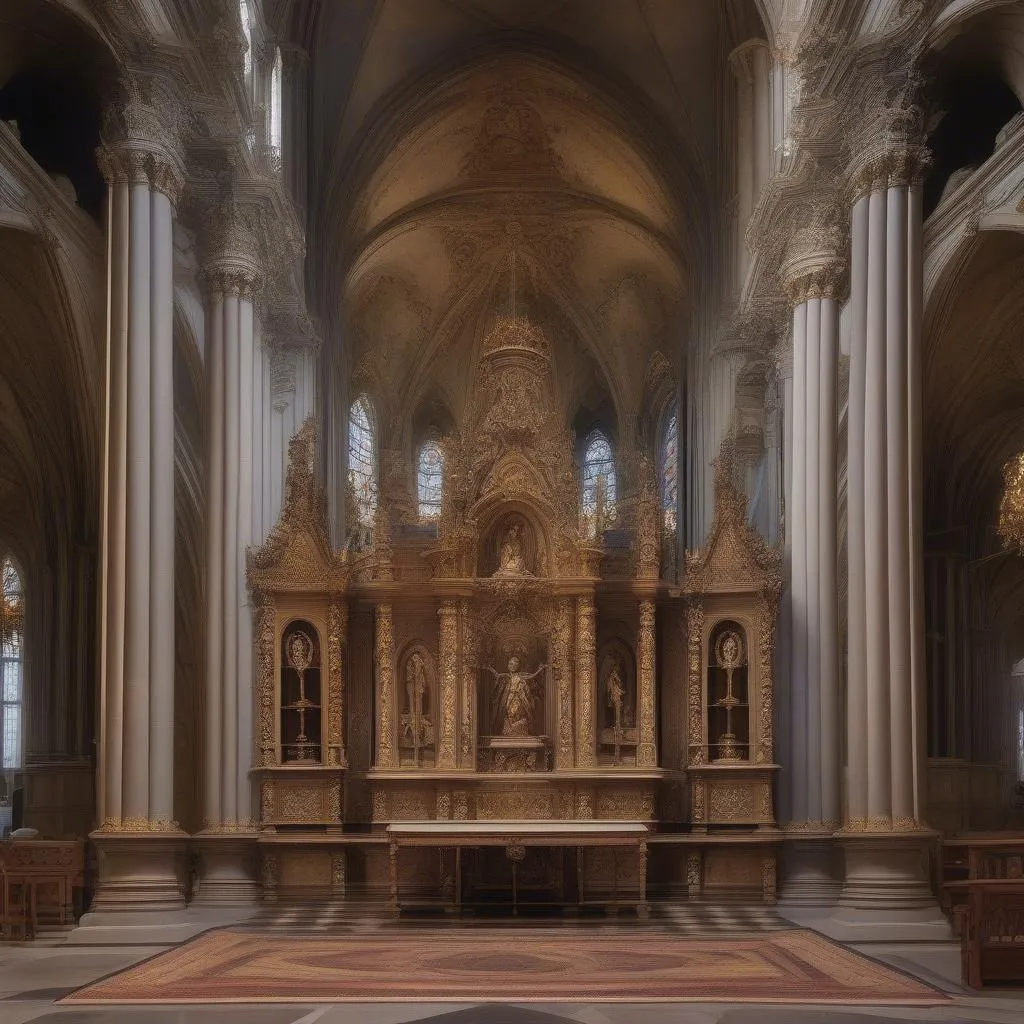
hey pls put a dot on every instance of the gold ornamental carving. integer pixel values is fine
(695, 681)
(586, 672)
(562, 666)
(646, 752)
(266, 643)
(470, 669)
(448, 673)
(337, 625)
(732, 802)
(385, 644)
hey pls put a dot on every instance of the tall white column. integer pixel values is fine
(882, 835)
(812, 274)
(232, 276)
(138, 839)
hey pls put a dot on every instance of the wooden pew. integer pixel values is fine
(967, 857)
(39, 878)
(992, 934)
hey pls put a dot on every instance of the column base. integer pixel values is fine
(886, 896)
(227, 872)
(812, 875)
(140, 893)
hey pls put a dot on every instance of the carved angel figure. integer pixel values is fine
(517, 697)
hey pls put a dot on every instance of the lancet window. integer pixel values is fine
(669, 458)
(430, 480)
(599, 489)
(362, 458)
(276, 98)
(12, 633)
(243, 11)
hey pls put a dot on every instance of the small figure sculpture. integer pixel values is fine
(511, 559)
(517, 697)
(616, 692)
(415, 724)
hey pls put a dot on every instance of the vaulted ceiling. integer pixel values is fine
(584, 136)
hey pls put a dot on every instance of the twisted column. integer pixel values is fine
(646, 751)
(387, 754)
(586, 682)
(448, 673)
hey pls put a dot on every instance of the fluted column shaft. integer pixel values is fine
(813, 768)
(885, 701)
(586, 682)
(137, 618)
(230, 283)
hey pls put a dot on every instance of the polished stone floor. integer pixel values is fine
(32, 977)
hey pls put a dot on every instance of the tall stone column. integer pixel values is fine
(812, 275)
(586, 682)
(448, 683)
(139, 841)
(562, 668)
(646, 750)
(886, 891)
(227, 841)
(387, 752)
(337, 640)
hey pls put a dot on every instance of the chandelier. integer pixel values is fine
(1011, 508)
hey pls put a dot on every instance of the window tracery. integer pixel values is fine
(599, 484)
(430, 480)
(669, 457)
(12, 632)
(362, 458)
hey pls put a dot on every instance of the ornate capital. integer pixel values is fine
(815, 263)
(234, 261)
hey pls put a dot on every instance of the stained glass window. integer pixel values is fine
(670, 470)
(276, 96)
(362, 458)
(243, 10)
(12, 632)
(598, 480)
(429, 480)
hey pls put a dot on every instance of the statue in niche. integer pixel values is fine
(512, 555)
(517, 697)
(417, 729)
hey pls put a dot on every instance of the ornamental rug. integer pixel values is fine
(535, 965)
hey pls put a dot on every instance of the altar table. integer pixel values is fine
(515, 836)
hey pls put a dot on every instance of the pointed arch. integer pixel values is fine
(600, 487)
(362, 457)
(429, 480)
(12, 652)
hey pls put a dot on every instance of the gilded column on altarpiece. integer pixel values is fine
(337, 638)
(385, 643)
(646, 751)
(562, 667)
(470, 669)
(586, 673)
(448, 672)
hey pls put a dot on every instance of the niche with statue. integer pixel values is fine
(416, 740)
(616, 704)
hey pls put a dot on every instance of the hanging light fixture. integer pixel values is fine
(1011, 508)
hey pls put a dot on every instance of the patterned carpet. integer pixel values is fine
(529, 965)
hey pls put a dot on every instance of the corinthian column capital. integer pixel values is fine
(233, 254)
(815, 263)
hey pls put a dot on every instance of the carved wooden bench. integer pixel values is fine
(992, 933)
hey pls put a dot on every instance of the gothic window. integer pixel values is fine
(362, 458)
(598, 480)
(429, 480)
(12, 633)
(276, 96)
(243, 10)
(670, 470)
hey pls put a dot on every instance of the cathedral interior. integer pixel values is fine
(479, 457)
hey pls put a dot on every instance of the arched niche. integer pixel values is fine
(728, 693)
(417, 693)
(617, 700)
(301, 694)
(514, 544)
